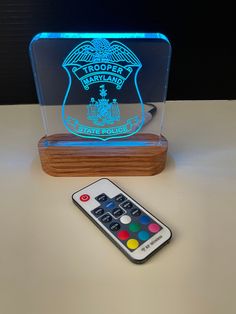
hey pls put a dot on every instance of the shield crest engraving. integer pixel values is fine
(102, 100)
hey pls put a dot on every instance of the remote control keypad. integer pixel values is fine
(117, 212)
(120, 198)
(101, 198)
(98, 211)
(125, 221)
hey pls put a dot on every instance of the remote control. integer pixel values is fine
(136, 232)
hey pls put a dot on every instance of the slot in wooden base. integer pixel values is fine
(88, 159)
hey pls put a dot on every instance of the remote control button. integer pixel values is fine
(84, 197)
(120, 198)
(136, 212)
(143, 235)
(127, 205)
(134, 227)
(145, 220)
(125, 219)
(154, 228)
(123, 235)
(117, 212)
(114, 226)
(106, 218)
(101, 198)
(98, 211)
(110, 205)
(132, 244)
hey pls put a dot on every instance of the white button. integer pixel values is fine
(125, 219)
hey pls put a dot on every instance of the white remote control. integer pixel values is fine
(136, 232)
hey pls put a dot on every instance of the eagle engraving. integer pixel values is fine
(101, 50)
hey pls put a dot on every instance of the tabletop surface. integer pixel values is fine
(53, 260)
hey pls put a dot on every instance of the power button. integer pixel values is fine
(84, 197)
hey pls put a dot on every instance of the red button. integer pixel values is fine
(84, 197)
(123, 235)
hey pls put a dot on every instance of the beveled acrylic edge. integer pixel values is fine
(46, 35)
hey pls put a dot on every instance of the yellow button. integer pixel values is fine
(132, 244)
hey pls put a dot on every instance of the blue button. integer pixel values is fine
(110, 205)
(143, 235)
(145, 220)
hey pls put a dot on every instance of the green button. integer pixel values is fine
(134, 227)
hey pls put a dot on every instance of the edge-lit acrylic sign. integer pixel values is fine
(102, 68)
(97, 85)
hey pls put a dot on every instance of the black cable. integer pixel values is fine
(152, 111)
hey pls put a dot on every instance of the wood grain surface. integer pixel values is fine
(65, 155)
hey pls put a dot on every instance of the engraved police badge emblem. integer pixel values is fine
(102, 76)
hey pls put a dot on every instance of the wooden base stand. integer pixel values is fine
(61, 157)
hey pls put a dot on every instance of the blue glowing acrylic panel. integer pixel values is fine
(103, 87)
